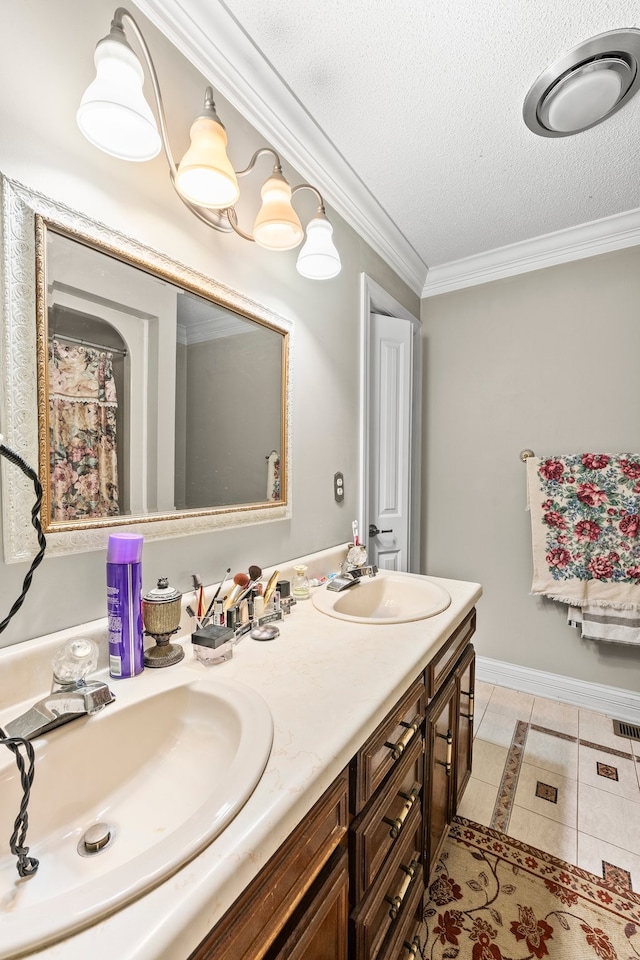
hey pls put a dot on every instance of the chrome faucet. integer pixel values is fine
(71, 695)
(69, 703)
(349, 576)
(355, 563)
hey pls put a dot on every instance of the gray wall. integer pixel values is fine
(546, 360)
(234, 390)
(47, 51)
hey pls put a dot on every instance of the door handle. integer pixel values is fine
(373, 530)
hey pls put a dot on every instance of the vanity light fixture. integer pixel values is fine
(115, 117)
(585, 85)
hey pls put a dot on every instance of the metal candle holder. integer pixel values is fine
(161, 610)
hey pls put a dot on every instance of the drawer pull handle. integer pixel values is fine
(397, 824)
(396, 902)
(446, 763)
(397, 749)
(471, 695)
(412, 947)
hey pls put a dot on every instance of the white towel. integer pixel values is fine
(605, 623)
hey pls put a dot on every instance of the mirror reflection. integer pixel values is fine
(154, 398)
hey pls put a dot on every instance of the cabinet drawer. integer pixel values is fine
(386, 746)
(403, 942)
(384, 822)
(445, 660)
(250, 926)
(384, 911)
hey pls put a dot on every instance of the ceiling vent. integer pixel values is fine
(585, 85)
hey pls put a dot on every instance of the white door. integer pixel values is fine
(390, 419)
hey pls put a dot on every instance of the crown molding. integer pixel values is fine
(575, 243)
(216, 45)
(210, 328)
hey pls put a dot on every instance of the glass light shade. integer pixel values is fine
(113, 113)
(583, 99)
(318, 258)
(205, 176)
(277, 225)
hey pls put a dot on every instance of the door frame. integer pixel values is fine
(375, 299)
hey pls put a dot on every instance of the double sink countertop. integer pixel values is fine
(328, 685)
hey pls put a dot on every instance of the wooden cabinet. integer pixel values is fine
(448, 735)
(465, 698)
(386, 836)
(270, 913)
(348, 884)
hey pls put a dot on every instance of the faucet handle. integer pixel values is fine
(96, 696)
(74, 661)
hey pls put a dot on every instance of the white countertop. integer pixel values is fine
(328, 685)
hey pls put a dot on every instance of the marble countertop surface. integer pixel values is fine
(328, 684)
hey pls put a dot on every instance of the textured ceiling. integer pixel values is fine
(424, 102)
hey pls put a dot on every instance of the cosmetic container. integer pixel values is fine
(124, 604)
(258, 607)
(213, 644)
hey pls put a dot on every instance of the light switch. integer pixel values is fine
(338, 487)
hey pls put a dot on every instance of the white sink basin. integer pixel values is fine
(389, 597)
(167, 766)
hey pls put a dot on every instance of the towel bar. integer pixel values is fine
(525, 454)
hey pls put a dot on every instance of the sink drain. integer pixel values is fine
(95, 839)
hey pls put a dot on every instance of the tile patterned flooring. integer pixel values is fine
(558, 778)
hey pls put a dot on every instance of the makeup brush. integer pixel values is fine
(215, 596)
(240, 580)
(255, 573)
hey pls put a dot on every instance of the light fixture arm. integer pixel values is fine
(212, 218)
(308, 186)
(277, 166)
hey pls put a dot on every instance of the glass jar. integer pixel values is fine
(300, 584)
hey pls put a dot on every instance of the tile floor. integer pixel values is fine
(557, 777)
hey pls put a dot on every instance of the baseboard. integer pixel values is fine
(613, 701)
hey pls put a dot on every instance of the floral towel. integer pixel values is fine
(585, 526)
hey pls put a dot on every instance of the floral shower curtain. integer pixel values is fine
(82, 421)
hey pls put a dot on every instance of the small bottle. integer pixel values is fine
(300, 584)
(124, 604)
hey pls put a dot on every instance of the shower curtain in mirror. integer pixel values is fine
(82, 424)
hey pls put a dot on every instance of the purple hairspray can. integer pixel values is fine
(124, 604)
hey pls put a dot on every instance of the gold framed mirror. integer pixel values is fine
(148, 393)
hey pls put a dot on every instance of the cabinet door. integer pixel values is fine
(318, 929)
(252, 924)
(439, 770)
(463, 747)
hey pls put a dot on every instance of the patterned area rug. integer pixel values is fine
(495, 898)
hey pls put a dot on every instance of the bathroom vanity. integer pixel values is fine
(349, 881)
(330, 854)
